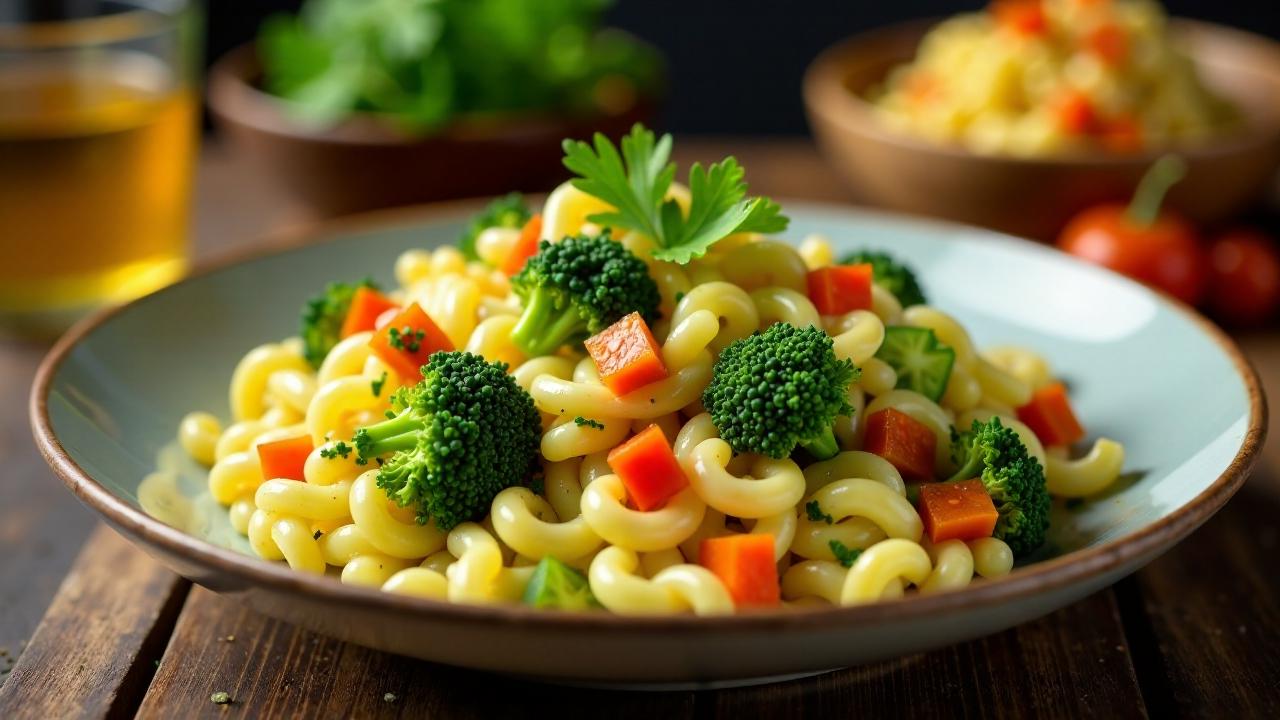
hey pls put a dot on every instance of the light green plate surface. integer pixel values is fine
(1142, 372)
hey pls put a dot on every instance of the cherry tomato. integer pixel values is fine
(1244, 277)
(1164, 254)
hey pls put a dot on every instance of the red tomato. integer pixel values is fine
(1165, 254)
(1244, 277)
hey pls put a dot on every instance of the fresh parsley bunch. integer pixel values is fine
(422, 62)
(636, 182)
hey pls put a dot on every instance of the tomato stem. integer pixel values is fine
(1152, 188)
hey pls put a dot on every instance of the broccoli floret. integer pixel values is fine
(557, 586)
(922, 363)
(780, 388)
(322, 319)
(1014, 480)
(459, 437)
(577, 287)
(889, 274)
(508, 211)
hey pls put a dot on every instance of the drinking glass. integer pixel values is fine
(98, 132)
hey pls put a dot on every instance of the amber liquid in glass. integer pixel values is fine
(95, 174)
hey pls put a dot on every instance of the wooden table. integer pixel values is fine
(1196, 633)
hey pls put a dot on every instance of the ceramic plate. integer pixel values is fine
(1143, 370)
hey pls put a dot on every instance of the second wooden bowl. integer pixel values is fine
(1036, 196)
(367, 163)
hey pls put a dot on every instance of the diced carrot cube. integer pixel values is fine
(1050, 417)
(525, 248)
(957, 511)
(907, 443)
(284, 459)
(648, 469)
(746, 566)
(838, 289)
(367, 305)
(627, 355)
(408, 341)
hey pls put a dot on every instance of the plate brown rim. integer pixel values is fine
(1033, 579)
(825, 95)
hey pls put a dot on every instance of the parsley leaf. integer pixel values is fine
(815, 512)
(588, 422)
(635, 182)
(376, 385)
(846, 555)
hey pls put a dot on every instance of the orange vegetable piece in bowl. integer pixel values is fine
(838, 289)
(745, 564)
(408, 340)
(1023, 17)
(627, 355)
(648, 469)
(367, 305)
(284, 459)
(1050, 417)
(957, 511)
(525, 248)
(905, 442)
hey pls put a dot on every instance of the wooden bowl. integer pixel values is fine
(1036, 196)
(367, 163)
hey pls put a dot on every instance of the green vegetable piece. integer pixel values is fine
(1013, 478)
(889, 274)
(419, 63)
(636, 181)
(923, 364)
(460, 436)
(508, 211)
(556, 586)
(845, 555)
(577, 287)
(815, 513)
(780, 388)
(322, 319)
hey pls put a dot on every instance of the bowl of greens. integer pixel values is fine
(362, 104)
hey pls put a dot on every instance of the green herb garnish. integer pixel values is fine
(815, 512)
(844, 554)
(588, 422)
(636, 184)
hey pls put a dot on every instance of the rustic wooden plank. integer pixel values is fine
(273, 670)
(270, 670)
(93, 654)
(41, 524)
(1071, 664)
(1205, 618)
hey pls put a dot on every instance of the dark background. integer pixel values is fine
(735, 65)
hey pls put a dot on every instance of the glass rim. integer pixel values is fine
(143, 18)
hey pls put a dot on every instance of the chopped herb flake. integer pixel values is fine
(406, 338)
(588, 422)
(376, 385)
(846, 555)
(339, 449)
(815, 512)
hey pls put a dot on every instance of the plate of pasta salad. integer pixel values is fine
(651, 428)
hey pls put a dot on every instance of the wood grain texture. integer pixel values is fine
(93, 654)
(1048, 668)
(1209, 615)
(41, 524)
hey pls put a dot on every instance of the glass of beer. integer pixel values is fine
(98, 131)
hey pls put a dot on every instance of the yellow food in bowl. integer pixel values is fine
(1041, 77)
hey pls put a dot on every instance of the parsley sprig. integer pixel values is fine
(635, 182)
(845, 555)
